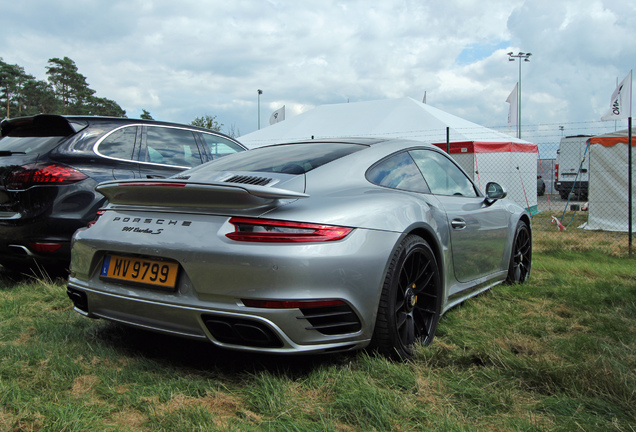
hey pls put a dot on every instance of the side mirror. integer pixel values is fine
(495, 191)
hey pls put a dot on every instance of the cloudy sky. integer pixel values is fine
(184, 59)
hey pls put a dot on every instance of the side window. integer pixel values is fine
(219, 146)
(170, 146)
(442, 175)
(119, 144)
(398, 172)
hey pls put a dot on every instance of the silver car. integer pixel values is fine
(315, 246)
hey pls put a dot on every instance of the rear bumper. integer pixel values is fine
(249, 329)
(213, 282)
(570, 186)
(19, 243)
(45, 215)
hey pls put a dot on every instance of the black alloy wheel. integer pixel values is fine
(411, 299)
(521, 255)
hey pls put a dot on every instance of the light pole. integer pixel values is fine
(525, 57)
(260, 92)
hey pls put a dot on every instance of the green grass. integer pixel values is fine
(556, 354)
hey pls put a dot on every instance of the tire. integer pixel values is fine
(520, 256)
(541, 190)
(564, 195)
(411, 300)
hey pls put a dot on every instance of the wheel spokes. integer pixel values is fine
(419, 316)
(518, 273)
(406, 328)
(401, 319)
(521, 251)
(425, 283)
(417, 272)
(415, 298)
(410, 330)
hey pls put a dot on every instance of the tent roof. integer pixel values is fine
(389, 118)
(613, 138)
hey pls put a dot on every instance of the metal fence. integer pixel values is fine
(595, 205)
(592, 205)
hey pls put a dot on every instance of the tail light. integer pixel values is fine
(97, 216)
(29, 175)
(45, 247)
(273, 231)
(556, 172)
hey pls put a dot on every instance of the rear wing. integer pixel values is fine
(53, 125)
(179, 193)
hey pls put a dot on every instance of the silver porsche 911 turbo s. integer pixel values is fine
(314, 246)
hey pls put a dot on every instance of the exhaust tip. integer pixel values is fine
(79, 299)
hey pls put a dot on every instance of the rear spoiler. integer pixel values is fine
(179, 193)
(53, 125)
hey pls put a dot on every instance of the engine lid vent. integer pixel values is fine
(253, 180)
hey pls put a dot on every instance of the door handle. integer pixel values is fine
(458, 224)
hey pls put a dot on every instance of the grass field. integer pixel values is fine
(556, 354)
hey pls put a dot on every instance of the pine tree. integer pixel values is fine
(70, 86)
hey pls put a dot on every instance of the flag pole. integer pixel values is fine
(630, 200)
(629, 178)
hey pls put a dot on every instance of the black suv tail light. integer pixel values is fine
(24, 177)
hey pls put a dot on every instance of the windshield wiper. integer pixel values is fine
(10, 153)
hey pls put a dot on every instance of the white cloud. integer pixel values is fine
(180, 60)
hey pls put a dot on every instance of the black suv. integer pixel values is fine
(50, 164)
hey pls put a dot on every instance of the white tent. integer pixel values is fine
(608, 182)
(485, 154)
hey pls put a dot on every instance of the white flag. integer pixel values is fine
(514, 106)
(277, 116)
(621, 103)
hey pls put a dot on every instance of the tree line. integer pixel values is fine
(65, 91)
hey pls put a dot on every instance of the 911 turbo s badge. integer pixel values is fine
(141, 230)
(148, 225)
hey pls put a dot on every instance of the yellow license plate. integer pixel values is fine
(140, 270)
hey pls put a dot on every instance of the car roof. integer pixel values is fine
(342, 140)
(69, 124)
(392, 143)
(367, 141)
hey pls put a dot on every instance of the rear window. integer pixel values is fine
(285, 158)
(29, 144)
(398, 172)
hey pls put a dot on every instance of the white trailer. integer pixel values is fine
(571, 170)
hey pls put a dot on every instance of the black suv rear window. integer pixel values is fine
(29, 144)
(284, 158)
